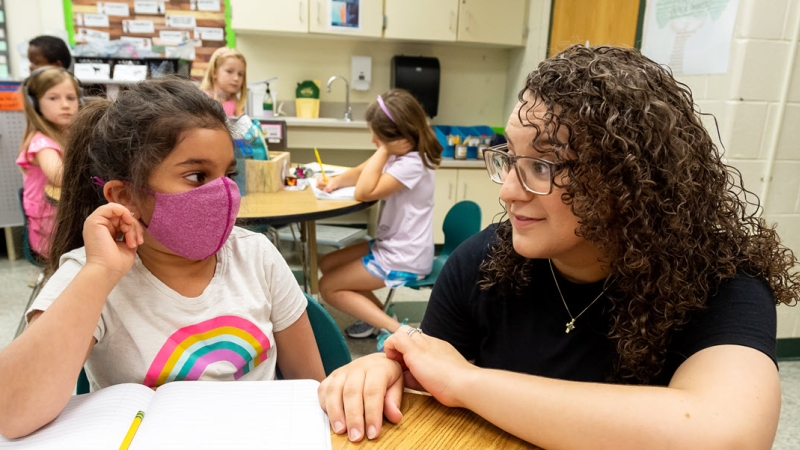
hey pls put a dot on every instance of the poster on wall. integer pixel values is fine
(692, 37)
(154, 29)
(345, 15)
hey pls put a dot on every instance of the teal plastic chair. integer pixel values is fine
(462, 221)
(330, 341)
(332, 346)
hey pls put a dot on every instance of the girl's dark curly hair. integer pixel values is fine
(651, 191)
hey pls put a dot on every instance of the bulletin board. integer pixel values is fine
(159, 25)
(5, 70)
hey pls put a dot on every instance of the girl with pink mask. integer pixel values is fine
(145, 258)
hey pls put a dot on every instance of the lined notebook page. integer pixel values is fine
(243, 414)
(98, 420)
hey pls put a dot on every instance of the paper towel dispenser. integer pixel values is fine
(419, 75)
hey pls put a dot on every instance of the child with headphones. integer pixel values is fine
(51, 96)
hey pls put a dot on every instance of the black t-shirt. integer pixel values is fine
(527, 333)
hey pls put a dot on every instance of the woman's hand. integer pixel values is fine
(359, 394)
(100, 231)
(433, 364)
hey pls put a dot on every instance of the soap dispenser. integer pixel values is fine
(268, 104)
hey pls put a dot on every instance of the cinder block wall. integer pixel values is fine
(747, 102)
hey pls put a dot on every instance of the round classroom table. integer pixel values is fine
(282, 207)
(429, 424)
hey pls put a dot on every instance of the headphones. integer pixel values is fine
(32, 95)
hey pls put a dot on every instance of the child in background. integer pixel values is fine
(50, 100)
(225, 80)
(401, 172)
(48, 51)
(148, 266)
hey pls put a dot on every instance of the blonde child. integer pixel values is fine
(401, 172)
(226, 81)
(146, 262)
(50, 98)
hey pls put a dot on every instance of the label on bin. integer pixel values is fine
(138, 26)
(180, 21)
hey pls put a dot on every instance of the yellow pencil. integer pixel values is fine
(132, 431)
(321, 168)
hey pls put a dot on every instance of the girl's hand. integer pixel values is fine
(358, 395)
(100, 231)
(331, 185)
(399, 147)
(433, 364)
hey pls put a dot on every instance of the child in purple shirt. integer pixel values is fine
(401, 172)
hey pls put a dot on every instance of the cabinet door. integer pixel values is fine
(475, 185)
(599, 22)
(424, 20)
(492, 21)
(370, 18)
(444, 196)
(270, 15)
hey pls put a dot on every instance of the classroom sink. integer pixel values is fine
(324, 122)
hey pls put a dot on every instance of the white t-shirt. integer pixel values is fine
(404, 239)
(150, 334)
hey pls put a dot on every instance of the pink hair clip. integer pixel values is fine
(385, 109)
(97, 181)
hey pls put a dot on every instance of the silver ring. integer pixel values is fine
(411, 331)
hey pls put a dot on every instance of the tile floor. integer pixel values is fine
(14, 293)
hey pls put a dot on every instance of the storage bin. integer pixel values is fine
(267, 176)
(160, 67)
(441, 132)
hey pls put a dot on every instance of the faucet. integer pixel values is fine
(348, 113)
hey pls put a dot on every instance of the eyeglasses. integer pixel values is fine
(535, 174)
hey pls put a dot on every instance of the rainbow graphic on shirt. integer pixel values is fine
(190, 350)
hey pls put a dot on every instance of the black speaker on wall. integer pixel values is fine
(420, 76)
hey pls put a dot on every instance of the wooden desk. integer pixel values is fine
(427, 424)
(282, 207)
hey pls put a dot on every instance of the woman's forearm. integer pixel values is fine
(708, 411)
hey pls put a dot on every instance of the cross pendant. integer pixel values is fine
(570, 326)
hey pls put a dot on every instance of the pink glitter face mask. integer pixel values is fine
(196, 223)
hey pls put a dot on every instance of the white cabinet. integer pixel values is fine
(302, 16)
(454, 185)
(422, 20)
(495, 22)
(370, 19)
(499, 22)
(269, 15)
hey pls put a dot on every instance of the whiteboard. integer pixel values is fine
(12, 130)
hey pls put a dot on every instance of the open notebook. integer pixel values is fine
(190, 415)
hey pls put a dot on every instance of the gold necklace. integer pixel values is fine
(571, 323)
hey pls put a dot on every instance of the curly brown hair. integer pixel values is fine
(651, 190)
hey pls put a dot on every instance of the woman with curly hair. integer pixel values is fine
(628, 300)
